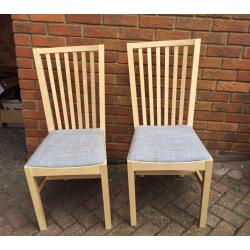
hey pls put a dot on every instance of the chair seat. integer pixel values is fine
(166, 144)
(70, 148)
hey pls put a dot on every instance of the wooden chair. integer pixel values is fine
(159, 146)
(70, 151)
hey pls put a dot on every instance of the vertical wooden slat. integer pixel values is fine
(53, 88)
(193, 87)
(142, 84)
(166, 87)
(70, 94)
(133, 85)
(183, 83)
(78, 91)
(85, 89)
(158, 85)
(150, 88)
(93, 95)
(44, 90)
(175, 72)
(62, 93)
(101, 86)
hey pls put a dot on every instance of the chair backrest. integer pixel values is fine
(67, 75)
(150, 55)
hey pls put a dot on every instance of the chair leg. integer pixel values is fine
(132, 201)
(205, 193)
(105, 194)
(36, 199)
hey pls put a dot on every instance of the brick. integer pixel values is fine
(206, 85)
(47, 41)
(30, 114)
(84, 18)
(241, 98)
(218, 126)
(243, 210)
(245, 128)
(227, 107)
(121, 20)
(226, 75)
(210, 62)
(213, 96)
(245, 230)
(172, 229)
(223, 228)
(242, 147)
(48, 18)
(101, 32)
(114, 68)
(64, 30)
(30, 95)
(27, 74)
(23, 17)
(193, 23)
(136, 34)
(247, 108)
(78, 41)
(242, 16)
(209, 116)
(158, 22)
(147, 229)
(16, 217)
(231, 198)
(227, 16)
(22, 40)
(246, 53)
(236, 64)
(28, 84)
(239, 39)
(243, 76)
(29, 104)
(203, 106)
(24, 63)
(24, 27)
(223, 51)
(230, 25)
(31, 124)
(240, 118)
(115, 45)
(169, 34)
(234, 86)
(211, 38)
(218, 145)
(24, 52)
(228, 215)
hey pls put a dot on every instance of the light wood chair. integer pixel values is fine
(159, 146)
(70, 151)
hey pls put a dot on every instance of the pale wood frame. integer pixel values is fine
(177, 168)
(84, 172)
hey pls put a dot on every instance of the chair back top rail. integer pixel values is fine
(156, 44)
(86, 48)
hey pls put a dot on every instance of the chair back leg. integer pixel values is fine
(131, 187)
(205, 193)
(105, 194)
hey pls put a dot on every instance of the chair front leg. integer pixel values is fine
(205, 193)
(105, 194)
(132, 199)
(36, 199)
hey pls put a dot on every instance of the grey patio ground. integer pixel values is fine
(167, 205)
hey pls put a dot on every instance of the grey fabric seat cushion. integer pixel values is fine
(166, 144)
(70, 148)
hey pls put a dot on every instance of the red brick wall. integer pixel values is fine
(222, 114)
(7, 48)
